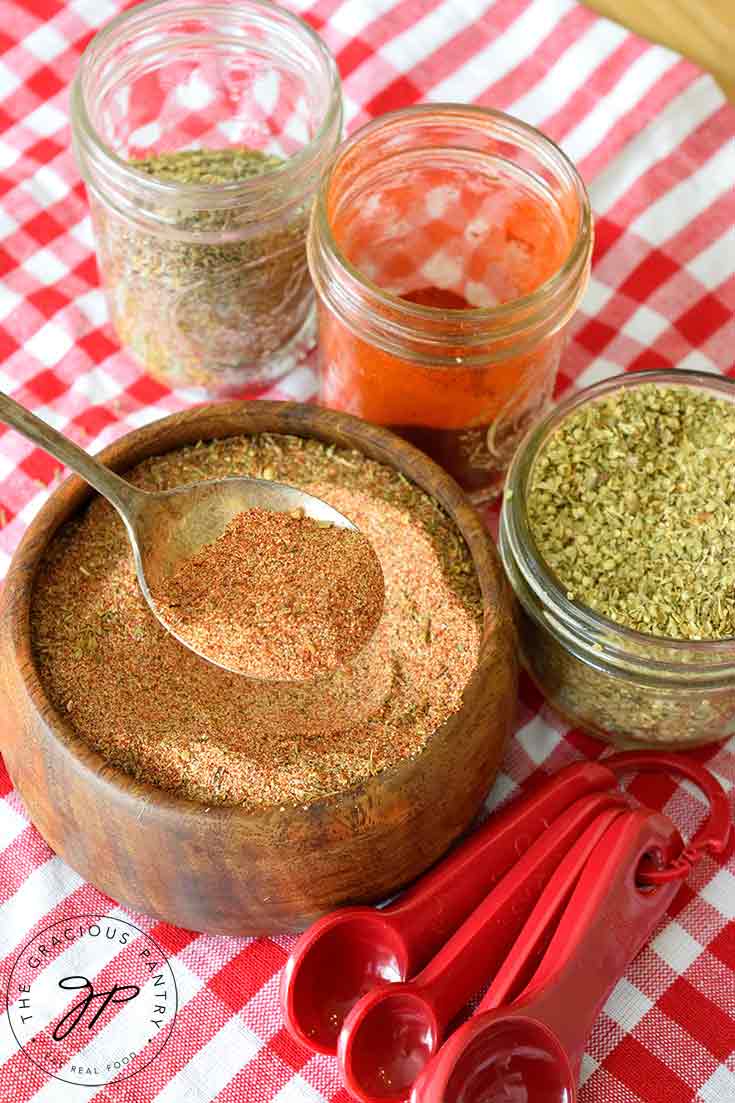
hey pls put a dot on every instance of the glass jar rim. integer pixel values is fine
(219, 195)
(539, 576)
(472, 115)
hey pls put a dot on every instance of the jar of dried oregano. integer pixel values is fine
(201, 130)
(617, 533)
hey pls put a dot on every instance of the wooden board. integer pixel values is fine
(702, 30)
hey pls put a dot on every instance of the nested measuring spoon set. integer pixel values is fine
(549, 901)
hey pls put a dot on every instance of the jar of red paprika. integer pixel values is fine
(449, 247)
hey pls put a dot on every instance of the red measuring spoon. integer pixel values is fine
(391, 1032)
(529, 947)
(533, 1049)
(350, 951)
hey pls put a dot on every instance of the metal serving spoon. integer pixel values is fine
(168, 526)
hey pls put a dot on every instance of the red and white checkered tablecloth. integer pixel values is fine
(654, 139)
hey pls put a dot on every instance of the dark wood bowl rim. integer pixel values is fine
(303, 420)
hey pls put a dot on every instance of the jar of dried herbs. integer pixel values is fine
(201, 131)
(617, 533)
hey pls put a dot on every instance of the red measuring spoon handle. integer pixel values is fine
(476, 950)
(436, 905)
(608, 919)
(528, 948)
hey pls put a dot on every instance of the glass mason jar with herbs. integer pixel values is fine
(617, 532)
(201, 130)
(449, 247)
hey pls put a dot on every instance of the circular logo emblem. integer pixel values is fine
(92, 999)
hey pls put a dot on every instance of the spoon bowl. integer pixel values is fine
(167, 527)
(513, 1059)
(392, 1041)
(342, 957)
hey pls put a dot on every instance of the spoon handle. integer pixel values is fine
(530, 945)
(117, 491)
(478, 948)
(608, 919)
(436, 905)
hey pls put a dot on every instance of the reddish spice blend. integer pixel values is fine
(155, 709)
(279, 596)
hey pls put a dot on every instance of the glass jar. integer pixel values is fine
(449, 247)
(201, 130)
(626, 687)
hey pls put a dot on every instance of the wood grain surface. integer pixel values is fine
(702, 30)
(222, 869)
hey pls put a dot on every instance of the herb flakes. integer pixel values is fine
(631, 503)
(209, 293)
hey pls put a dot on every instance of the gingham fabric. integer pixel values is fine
(654, 139)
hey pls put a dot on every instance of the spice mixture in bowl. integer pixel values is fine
(149, 705)
(164, 780)
(617, 534)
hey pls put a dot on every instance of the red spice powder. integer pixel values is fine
(278, 596)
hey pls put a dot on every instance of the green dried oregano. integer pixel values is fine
(631, 503)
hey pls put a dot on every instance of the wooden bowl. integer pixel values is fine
(230, 871)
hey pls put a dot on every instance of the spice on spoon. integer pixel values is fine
(632, 505)
(278, 596)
